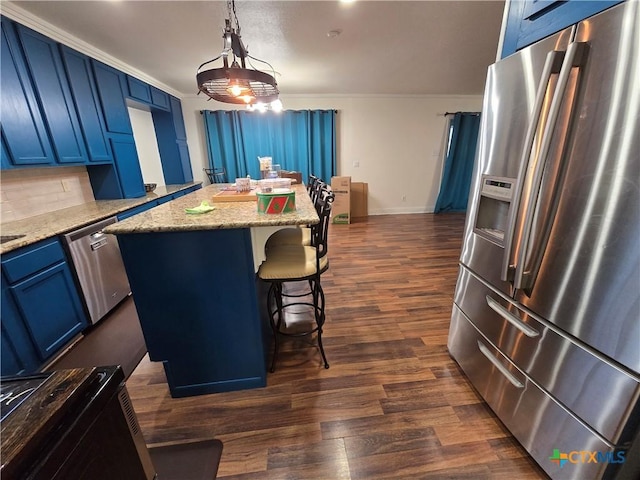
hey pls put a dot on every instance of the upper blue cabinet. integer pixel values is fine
(23, 131)
(532, 20)
(113, 89)
(147, 94)
(52, 90)
(61, 107)
(85, 97)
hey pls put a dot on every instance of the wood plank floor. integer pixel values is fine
(393, 405)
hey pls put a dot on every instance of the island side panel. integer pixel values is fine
(195, 294)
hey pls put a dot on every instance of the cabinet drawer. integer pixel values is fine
(29, 260)
(568, 371)
(536, 419)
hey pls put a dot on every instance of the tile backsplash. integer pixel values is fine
(32, 191)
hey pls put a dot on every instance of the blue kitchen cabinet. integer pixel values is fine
(87, 104)
(127, 165)
(178, 119)
(54, 97)
(136, 210)
(147, 94)
(17, 350)
(159, 98)
(172, 144)
(113, 90)
(41, 296)
(138, 89)
(531, 20)
(184, 162)
(24, 134)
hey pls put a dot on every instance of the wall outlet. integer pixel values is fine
(404, 198)
(356, 164)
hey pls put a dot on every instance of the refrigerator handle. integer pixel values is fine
(573, 58)
(552, 65)
(499, 366)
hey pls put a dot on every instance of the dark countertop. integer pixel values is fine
(50, 224)
(25, 429)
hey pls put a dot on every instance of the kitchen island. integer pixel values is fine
(195, 288)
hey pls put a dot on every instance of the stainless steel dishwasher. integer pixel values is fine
(99, 268)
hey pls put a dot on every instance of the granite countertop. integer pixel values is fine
(171, 217)
(51, 224)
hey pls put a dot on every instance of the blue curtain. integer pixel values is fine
(300, 140)
(458, 164)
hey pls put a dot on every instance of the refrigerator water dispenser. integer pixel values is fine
(493, 207)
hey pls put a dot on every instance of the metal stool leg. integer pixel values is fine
(275, 294)
(318, 303)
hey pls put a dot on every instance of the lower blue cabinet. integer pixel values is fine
(41, 308)
(136, 210)
(51, 309)
(17, 350)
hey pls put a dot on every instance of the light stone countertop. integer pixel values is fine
(62, 221)
(171, 216)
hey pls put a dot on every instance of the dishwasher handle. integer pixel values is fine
(98, 240)
(89, 230)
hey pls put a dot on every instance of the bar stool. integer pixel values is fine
(294, 263)
(298, 235)
(216, 175)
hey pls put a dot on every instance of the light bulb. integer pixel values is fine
(235, 90)
(276, 105)
(247, 98)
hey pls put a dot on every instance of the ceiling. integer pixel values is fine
(384, 48)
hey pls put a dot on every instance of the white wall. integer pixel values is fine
(394, 141)
(144, 134)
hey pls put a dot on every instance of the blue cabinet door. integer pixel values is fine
(17, 350)
(85, 97)
(51, 309)
(54, 96)
(159, 98)
(112, 89)
(172, 144)
(23, 130)
(185, 161)
(178, 119)
(138, 89)
(128, 166)
(532, 20)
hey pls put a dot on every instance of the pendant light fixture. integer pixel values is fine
(233, 82)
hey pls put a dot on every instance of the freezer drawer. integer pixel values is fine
(591, 387)
(534, 418)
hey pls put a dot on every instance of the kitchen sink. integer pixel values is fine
(8, 238)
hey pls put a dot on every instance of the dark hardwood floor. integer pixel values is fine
(393, 405)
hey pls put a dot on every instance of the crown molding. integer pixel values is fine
(12, 11)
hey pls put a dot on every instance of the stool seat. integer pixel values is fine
(289, 236)
(292, 262)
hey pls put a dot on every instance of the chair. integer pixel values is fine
(287, 264)
(296, 177)
(298, 235)
(216, 175)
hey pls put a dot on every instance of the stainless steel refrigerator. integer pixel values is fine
(546, 315)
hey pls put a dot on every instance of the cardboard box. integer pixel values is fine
(341, 210)
(359, 199)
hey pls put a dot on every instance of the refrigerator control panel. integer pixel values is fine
(500, 188)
